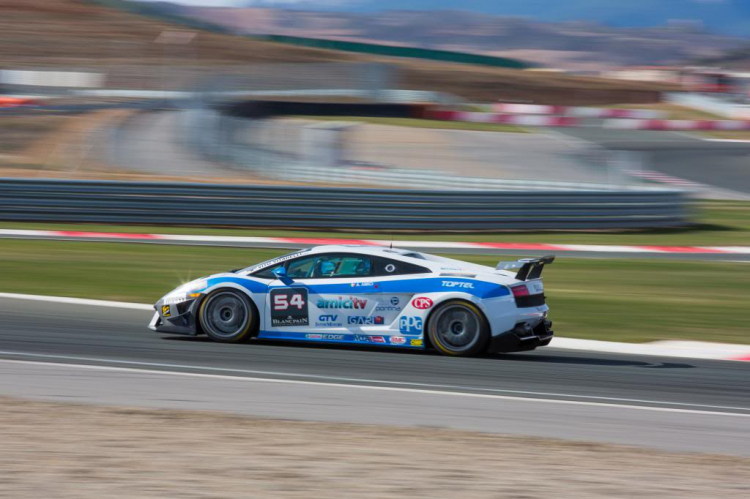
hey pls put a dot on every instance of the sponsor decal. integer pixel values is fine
(364, 285)
(393, 307)
(289, 307)
(328, 321)
(351, 302)
(398, 340)
(390, 268)
(536, 287)
(422, 303)
(458, 284)
(387, 308)
(173, 300)
(410, 325)
(330, 337)
(276, 261)
(416, 343)
(165, 311)
(369, 339)
(367, 321)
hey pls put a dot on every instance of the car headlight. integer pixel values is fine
(185, 292)
(191, 286)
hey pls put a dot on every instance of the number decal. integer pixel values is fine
(280, 302)
(297, 301)
(289, 307)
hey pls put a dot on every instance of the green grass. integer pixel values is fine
(717, 223)
(419, 123)
(615, 300)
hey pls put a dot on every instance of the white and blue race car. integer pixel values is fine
(367, 295)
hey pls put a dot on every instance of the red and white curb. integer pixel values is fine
(669, 348)
(307, 241)
(577, 111)
(682, 349)
(663, 178)
(13, 102)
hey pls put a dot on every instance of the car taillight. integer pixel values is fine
(521, 290)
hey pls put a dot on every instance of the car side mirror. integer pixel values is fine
(280, 273)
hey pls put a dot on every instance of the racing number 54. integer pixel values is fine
(283, 302)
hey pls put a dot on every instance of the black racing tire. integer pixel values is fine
(228, 316)
(458, 328)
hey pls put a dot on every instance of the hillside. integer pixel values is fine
(574, 45)
(79, 35)
(738, 60)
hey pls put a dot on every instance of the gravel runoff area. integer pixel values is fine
(64, 450)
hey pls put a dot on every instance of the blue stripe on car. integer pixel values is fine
(480, 289)
(343, 338)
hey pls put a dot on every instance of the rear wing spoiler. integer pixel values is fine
(528, 268)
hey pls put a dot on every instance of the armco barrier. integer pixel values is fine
(398, 51)
(341, 208)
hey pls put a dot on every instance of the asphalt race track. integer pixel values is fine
(725, 165)
(89, 354)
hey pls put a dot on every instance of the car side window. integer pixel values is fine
(386, 267)
(330, 266)
(301, 268)
(267, 273)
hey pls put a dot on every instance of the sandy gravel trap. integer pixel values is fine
(74, 451)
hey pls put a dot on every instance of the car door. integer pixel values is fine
(328, 296)
(399, 282)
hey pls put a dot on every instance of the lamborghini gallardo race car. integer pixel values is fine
(366, 295)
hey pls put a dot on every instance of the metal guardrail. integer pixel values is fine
(81, 201)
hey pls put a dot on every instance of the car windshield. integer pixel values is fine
(273, 261)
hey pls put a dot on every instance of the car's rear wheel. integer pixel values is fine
(458, 328)
(227, 316)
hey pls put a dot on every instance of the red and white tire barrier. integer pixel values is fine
(678, 125)
(540, 120)
(501, 119)
(577, 112)
(303, 242)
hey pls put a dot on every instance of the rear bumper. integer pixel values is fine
(519, 340)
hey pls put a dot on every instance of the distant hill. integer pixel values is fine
(98, 35)
(736, 59)
(576, 45)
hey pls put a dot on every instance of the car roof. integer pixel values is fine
(435, 263)
(365, 250)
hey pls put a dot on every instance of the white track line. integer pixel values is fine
(383, 388)
(78, 301)
(355, 380)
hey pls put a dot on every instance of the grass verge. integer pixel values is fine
(717, 223)
(614, 300)
(418, 123)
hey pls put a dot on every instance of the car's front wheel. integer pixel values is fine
(458, 328)
(227, 316)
